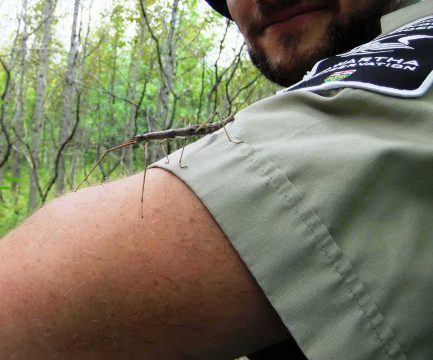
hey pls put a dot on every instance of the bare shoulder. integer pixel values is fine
(89, 278)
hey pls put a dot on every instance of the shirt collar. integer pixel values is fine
(408, 11)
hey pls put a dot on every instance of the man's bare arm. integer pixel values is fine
(87, 278)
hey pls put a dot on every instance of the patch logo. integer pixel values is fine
(340, 75)
(396, 64)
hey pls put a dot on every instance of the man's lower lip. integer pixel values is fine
(294, 22)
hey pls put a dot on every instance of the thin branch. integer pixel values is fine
(202, 85)
(158, 47)
(3, 114)
(140, 102)
(62, 148)
(246, 86)
(219, 77)
(30, 160)
(108, 92)
(43, 20)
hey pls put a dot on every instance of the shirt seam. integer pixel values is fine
(322, 245)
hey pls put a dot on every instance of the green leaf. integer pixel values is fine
(12, 179)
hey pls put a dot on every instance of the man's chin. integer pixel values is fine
(290, 63)
(284, 73)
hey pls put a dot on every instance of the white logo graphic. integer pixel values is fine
(378, 46)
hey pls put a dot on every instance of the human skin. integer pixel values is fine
(285, 38)
(86, 277)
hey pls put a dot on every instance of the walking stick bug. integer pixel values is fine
(164, 135)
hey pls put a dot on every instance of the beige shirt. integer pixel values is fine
(329, 202)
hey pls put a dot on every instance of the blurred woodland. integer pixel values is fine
(133, 68)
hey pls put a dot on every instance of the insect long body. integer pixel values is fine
(197, 130)
(193, 130)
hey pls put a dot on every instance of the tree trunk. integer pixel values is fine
(111, 139)
(166, 65)
(129, 155)
(39, 106)
(18, 118)
(6, 147)
(79, 134)
(66, 118)
(167, 87)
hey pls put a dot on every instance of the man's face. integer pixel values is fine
(285, 38)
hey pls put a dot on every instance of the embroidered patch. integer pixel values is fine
(340, 75)
(399, 64)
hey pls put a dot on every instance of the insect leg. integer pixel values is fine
(167, 161)
(208, 121)
(144, 179)
(234, 141)
(181, 155)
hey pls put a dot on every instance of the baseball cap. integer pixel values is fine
(220, 6)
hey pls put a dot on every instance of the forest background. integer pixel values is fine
(79, 77)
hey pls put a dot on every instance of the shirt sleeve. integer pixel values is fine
(322, 203)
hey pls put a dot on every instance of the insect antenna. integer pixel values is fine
(129, 143)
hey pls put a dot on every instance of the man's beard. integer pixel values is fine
(362, 27)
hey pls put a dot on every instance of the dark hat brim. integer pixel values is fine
(221, 7)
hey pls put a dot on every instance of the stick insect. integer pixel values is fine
(164, 135)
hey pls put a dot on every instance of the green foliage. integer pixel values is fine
(12, 204)
(202, 82)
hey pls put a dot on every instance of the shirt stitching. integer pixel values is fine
(322, 246)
